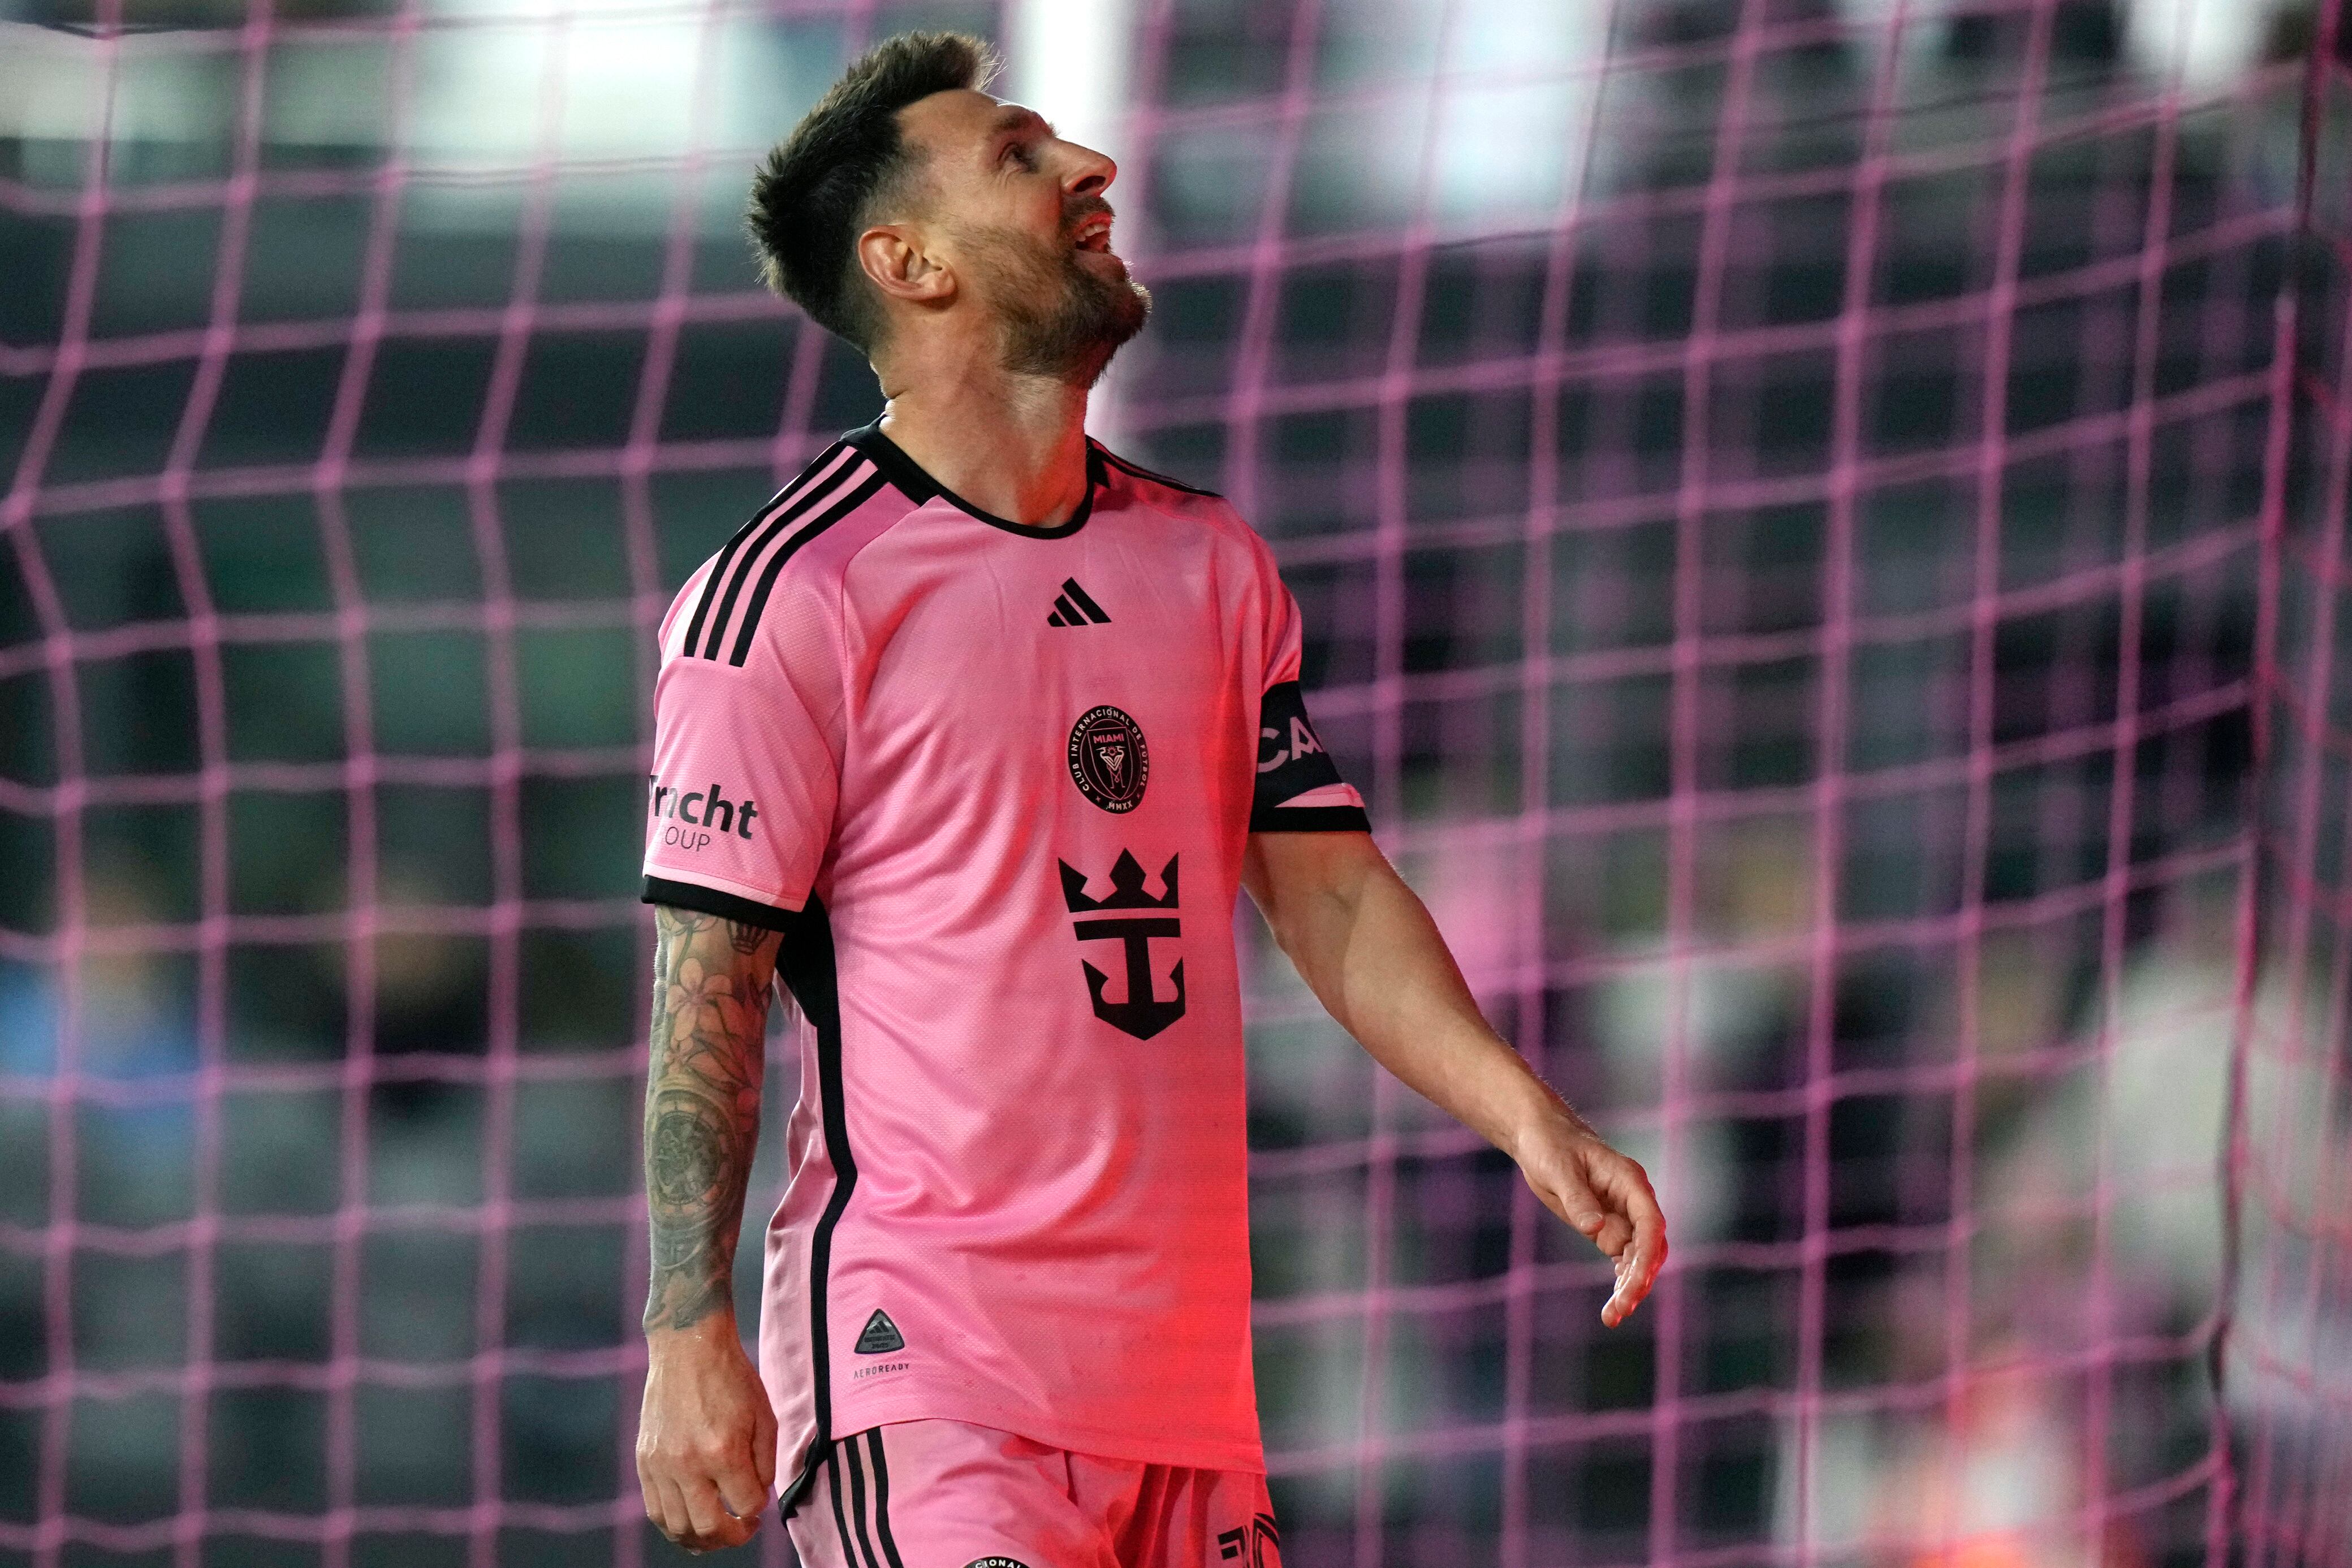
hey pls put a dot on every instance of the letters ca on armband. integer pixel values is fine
(1277, 747)
(692, 818)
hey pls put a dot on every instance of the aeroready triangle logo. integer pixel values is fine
(879, 1336)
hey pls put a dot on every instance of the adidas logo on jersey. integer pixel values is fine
(1073, 607)
(879, 1336)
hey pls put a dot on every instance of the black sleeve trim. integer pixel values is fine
(1310, 820)
(726, 905)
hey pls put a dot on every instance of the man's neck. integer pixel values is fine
(1015, 446)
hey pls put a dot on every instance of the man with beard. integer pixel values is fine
(971, 736)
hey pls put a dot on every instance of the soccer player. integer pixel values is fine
(970, 738)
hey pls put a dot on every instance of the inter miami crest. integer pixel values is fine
(1107, 759)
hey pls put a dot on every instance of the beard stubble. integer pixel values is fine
(1060, 319)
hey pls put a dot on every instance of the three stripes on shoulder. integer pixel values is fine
(753, 558)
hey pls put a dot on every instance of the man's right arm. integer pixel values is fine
(706, 1437)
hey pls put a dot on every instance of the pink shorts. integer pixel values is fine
(943, 1494)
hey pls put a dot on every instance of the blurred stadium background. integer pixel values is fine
(1822, 525)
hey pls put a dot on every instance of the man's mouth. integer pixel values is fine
(1093, 232)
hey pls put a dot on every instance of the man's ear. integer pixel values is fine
(895, 261)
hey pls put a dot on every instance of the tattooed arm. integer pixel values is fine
(712, 978)
(706, 1437)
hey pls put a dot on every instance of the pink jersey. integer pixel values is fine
(994, 784)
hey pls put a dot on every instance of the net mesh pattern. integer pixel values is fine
(2289, 1175)
(1821, 530)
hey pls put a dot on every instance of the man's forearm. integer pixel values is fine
(1361, 939)
(1368, 948)
(712, 978)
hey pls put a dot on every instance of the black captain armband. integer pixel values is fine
(1294, 772)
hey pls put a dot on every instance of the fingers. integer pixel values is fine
(1622, 1300)
(763, 1450)
(668, 1510)
(699, 1511)
(1637, 1263)
(738, 1486)
(1594, 1218)
(1573, 1201)
(714, 1524)
(1607, 1198)
(705, 1443)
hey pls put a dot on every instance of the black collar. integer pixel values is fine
(912, 481)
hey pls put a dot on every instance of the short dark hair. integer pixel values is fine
(811, 195)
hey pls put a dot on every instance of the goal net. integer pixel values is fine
(1820, 525)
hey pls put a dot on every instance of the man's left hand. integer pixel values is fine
(1604, 1195)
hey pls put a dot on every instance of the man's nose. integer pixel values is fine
(1090, 173)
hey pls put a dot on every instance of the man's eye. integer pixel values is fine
(1020, 155)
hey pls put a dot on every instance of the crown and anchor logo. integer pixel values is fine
(1142, 1014)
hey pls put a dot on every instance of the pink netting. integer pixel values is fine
(1815, 521)
(2289, 1351)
